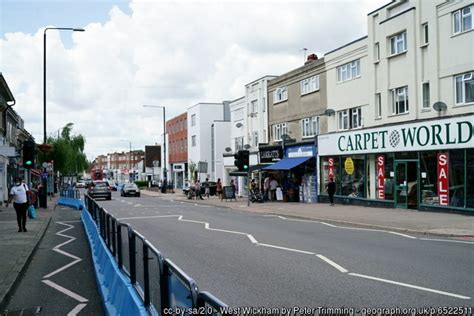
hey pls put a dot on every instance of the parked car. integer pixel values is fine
(112, 185)
(99, 189)
(80, 185)
(130, 189)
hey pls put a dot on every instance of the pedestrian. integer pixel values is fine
(273, 187)
(20, 203)
(266, 189)
(207, 190)
(197, 187)
(219, 188)
(234, 188)
(331, 189)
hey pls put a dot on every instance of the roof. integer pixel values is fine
(5, 90)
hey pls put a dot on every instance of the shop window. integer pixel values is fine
(429, 178)
(380, 177)
(353, 176)
(470, 178)
(456, 178)
(330, 165)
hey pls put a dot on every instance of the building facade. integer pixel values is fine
(177, 130)
(416, 139)
(200, 119)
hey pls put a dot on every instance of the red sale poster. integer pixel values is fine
(331, 167)
(443, 180)
(381, 177)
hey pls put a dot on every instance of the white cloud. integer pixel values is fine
(166, 53)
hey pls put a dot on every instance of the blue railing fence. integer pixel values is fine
(159, 282)
(70, 193)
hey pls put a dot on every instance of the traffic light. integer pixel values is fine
(241, 160)
(29, 154)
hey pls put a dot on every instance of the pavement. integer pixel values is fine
(54, 239)
(400, 220)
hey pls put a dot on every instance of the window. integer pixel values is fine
(264, 105)
(310, 126)
(351, 118)
(255, 139)
(239, 143)
(254, 106)
(309, 85)
(280, 94)
(238, 114)
(400, 100)
(424, 35)
(398, 43)
(378, 105)
(348, 71)
(377, 52)
(193, 141)
(426, 95)
(464, 88)
(279, 130)
(193, 120)
(462, 20)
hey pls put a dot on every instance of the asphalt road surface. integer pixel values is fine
(250, 259)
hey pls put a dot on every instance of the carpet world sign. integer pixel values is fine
(427, 135)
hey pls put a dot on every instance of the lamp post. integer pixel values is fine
(164, 140)
(44, 180)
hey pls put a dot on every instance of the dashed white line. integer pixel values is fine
(410, 286)
(327, 224)
(146, 217)
(76, 310)
(252, 239)
(289, 249)
(332, 263)
(65, 291)
(403, 235)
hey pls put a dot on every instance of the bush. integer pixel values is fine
(142, 184)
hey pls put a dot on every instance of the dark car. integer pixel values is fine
(99, 189)
(212, 188)
(129, 189)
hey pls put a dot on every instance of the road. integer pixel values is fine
(250, 259)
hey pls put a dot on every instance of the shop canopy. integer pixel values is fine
(287, 163)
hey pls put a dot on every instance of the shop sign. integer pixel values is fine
(331, 167)
(381, 177)
(270, 154)
(178, 167)
(443, 182)
(301, 151)
(349, 166)
(444, 134)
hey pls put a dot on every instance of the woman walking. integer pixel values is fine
(20, 203)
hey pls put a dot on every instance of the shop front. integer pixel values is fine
(425, 165)
(296, 173)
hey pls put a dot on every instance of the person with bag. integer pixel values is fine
(20, 202)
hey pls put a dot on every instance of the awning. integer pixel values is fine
(35, 172)
(287, 163)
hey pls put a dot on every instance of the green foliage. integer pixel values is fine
(192, 170)
(142, 184)
(67, 152)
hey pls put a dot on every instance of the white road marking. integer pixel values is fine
(410, 286)
(57, 287)
(129, 203)
(403, 235)
(146, 217)
(65, 291)
(284, 248)
(332, 263)
(373, 230)
(327, 224)
(252, 239)
(137, 205)
(76, 309)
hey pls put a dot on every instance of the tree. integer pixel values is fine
(67, 152)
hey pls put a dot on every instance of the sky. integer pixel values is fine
(155, 52)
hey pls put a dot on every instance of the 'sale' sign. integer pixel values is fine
(443, 180)
(381, 177)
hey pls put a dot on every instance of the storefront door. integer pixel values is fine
(406, 188)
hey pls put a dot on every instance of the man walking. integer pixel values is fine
(20, 203)
(331, 188)
(273, 187)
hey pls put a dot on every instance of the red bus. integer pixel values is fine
(97, 174)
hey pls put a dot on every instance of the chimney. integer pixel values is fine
(311, 58)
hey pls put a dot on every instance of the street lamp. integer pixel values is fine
(45, 181)
(164, 139)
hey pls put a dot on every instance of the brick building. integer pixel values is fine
(177, 131)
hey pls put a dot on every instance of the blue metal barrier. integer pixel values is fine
(157, 281)
(71, 198)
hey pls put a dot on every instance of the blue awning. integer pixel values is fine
(287, 163)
